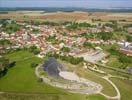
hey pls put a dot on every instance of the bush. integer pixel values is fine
(11, 27)
(36, 31)
(12, 64)
(69, 59)
(105, 36)
(65, 49)
(75, 25)
(89, 45)
(125, 59)
(129, 38)
(34, 50)
(33, 65)
(40, 80)
(3, 72)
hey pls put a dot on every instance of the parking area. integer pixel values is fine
(93, 57)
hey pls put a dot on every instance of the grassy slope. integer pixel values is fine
(113, 59)
(93, 76)
(114, 62)
(107, 87)
(21, 78)
(48, 97)
(125, 88)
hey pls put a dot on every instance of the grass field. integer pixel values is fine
(21, 79)
(125, 88)
(93, 76)
(115, 73)
(12, 96)
(107, 87)
(114, 62)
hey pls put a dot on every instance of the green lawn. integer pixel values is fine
(107, 87)
(93, 76)
(114, 62)
(116, 59)
(94, 97)
(12, 96)
(19, 55)
(21, 78)
(125, 88)
(115, 73)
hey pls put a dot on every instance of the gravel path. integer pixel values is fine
(118, 96)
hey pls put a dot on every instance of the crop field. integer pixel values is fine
(69, 16)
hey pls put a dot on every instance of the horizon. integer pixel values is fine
(100, 4)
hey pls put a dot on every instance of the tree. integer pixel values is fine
(51, 38)
(88, 45)
(129, 38)
(89, 35)
(34, 50)
(64, 33)
(85, 24)
(105, 36)
(33, 65)
(12, 64)
(125, 59)
(3, 65)
(36, 31)
(65, 49)
(10, 27)
(4, 44)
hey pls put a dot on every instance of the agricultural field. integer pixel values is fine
(69, 16)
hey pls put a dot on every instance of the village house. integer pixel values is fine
(129, 30)
(126, 48)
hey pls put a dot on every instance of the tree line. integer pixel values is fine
(70, 59)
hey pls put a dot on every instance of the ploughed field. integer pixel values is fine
(69, 16)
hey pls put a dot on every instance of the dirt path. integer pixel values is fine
(118, 96)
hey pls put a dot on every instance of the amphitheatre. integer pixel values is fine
(59, 76)
(99, 75)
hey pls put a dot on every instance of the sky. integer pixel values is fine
(67, 3)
